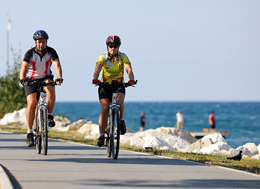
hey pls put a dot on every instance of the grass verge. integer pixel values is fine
(246, 164)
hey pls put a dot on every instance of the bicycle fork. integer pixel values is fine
(113, 106)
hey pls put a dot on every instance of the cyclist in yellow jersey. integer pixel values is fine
(111, 65)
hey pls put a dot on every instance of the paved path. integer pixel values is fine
(70, 165)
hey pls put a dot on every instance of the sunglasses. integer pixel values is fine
(112, 46)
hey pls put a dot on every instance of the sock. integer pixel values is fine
(102, 134)
(122, 119)
(50, 113)
(29, 131)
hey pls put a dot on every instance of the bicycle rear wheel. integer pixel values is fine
(44, 136)
(115, 136)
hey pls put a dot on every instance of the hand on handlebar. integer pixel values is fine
(59, 81)
(96, 81)
(24, 82)
(131, 82)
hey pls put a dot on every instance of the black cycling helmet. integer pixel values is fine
(113, 39)
(40, 34)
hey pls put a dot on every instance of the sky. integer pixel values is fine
(180, 50)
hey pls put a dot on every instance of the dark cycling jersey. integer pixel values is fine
(39, 67)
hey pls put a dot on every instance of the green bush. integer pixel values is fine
(12, 95)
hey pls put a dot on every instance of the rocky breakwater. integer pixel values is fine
(162, 138)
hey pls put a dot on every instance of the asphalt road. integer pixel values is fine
(71, 165)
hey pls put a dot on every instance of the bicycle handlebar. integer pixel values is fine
(38, 83)
(116, 84)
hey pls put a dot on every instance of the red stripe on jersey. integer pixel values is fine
(34, 68)
(47, 66)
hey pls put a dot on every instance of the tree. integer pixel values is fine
(12, 95)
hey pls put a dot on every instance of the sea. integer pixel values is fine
(240, 119)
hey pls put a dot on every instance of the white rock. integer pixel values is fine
(136, 141)
(185, 135)
(216, 148)
(198, 145)
(76, 125)
(196, 152)
(90, 130)
(181, 144)
(245, 151)
(258, 147)
(256, 156)
(62, 121)
(154, 142)
(126, 138)
(216, 137)
(15, 117)
(251, 147)
(232, 151)
(22, 115)
(176, 142)
(165, 148)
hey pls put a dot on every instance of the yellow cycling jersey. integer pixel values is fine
(113, 69)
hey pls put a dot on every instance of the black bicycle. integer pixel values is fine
(113, 127)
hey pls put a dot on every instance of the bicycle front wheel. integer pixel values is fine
(115, 136)
(38, 138)
(44, 121)
(108, 140)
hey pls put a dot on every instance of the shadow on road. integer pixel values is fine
(198, 183)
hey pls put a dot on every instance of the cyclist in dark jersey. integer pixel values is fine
(111, 65)
(36, 66)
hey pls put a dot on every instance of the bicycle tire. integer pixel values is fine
(37, 136)
(115, 136)
(108, 139)
(44, 136)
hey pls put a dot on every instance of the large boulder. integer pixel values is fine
(198, 145)
(251, 147)
(90, 130)
(245, 151)
(14, 117)
(217, 148)
(154, 142)
(185, 135)
(160, 138)
(256, 156)
(76, 125)
(61, 121)
(215, 138)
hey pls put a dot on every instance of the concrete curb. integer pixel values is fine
(5, 182)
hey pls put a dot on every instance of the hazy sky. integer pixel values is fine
(180, 50)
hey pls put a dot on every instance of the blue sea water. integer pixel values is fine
(240, 119)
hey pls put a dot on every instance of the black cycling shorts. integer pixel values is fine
(33, 89)
(107, 91)
(213, 126)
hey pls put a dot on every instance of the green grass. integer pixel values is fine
(246, 164)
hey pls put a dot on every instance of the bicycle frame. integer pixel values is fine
(41, 104)
(113, 106)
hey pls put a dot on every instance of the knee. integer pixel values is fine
(31, 104)
(105, 110)
(50, 90)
